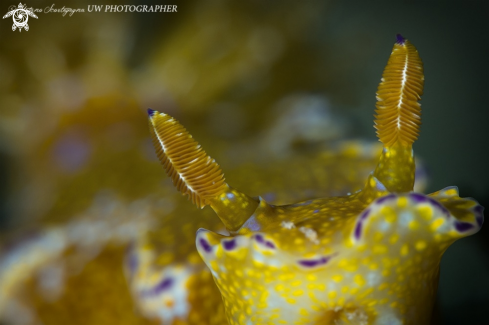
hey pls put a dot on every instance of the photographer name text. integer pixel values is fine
(107, 8)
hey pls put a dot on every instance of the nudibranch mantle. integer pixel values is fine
(371, 257)
(379, 261)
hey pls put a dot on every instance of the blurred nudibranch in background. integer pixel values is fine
(371, 257)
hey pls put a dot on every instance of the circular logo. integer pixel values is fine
(20, 16)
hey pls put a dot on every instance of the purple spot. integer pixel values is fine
(132, 260)
(418, 197)
(479, 209)
(364, 214)
(164, 285)
(269, 244)
(359, 225)
(151, 112)
(316, 262)
(421, 171)
(269, 196)
(301, 204)
(358, 230)
(205, 245)
(266, 243)
(132, 263)
(71, 151)
(479, 216)
(229, 244)
(385, 198)
(400, 40)
(252, 224)
(463, 226)
(316, 211)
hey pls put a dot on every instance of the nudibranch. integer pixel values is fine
(371, 257)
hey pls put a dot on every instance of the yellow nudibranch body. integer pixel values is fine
(371, 257)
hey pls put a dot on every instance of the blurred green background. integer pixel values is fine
(221, 67)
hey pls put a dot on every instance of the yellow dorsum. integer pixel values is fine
(371, 257)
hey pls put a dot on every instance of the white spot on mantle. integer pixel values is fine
(287, 224)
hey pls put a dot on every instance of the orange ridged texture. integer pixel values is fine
(192, 171)
(398, 113)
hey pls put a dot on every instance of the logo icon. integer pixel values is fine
(20, 16)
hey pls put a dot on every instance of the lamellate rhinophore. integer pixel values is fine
(371, 257)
